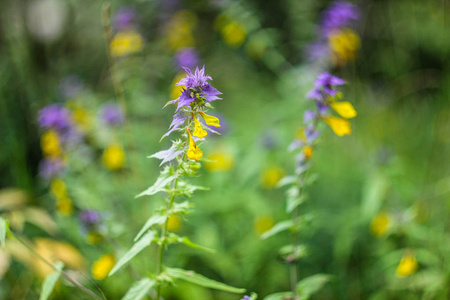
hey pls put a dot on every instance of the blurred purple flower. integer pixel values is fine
(112, 114)
(70, 86)
(311, 134)
(339, 14)
(125, 17)
(89, 217)
(50, 168)
(246, 298)
(325, 85)
(269, 139)
(322, 108)
(317, 51)
(309, 115)
(54, 117)
(187, 57)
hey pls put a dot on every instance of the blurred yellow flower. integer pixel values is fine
(262, 224)
(344, 44)
(81, 118)
(220, 161)
(126, 42)
(270, 177)
(344, 108)
(55, 251)
(179, 31)
(233, 34)
(308, 151)
(94, 238)
(407, 266)
(64, 206)
(380, 224)
(102, 266)
(58, 188)
(174, 223)
(50, 144)
(193, 152)
(175, 91)
(340, 126)
(114, 157)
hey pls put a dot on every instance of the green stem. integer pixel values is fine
(68, 277)
(293, 265)
(164, 231)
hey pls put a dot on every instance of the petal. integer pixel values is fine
(340, 126)
(344, 108)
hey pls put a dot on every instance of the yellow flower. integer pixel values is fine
(174, 223)
(220, 161)
(340, 126)
(102, 266)
(308, 151)
(126, 42)
(262, 224)
(176, 90)
(233, 34)
(114, 157)
(270, 177)
(344, 108)
(58, 188)
(193, 151)
(210, 120)
(94, 238)
(81, 117)
(50, 144)
(380, 224)
(407, 266)
(179, 31)
(65, 206)
(344, 44)
(198, 129)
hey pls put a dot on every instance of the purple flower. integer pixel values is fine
(309, 115)
(55, 117)
(325, 85)
(70, 86)
(196, 88)
(339, 14)
(311, 134)
(187, 57)
(322, 108)
(89, 217)
(246, 298)
(125, 17)
(112, 114)
(317, 50)
(50, 168)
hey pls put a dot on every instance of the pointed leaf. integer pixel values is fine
(287, 181)
(3, 229)
(156, 219)
(201, 280)
(310, 285)
(144, 242)
(189, 243)
(49, 283)
(277, 228)
(139, 289)
(159, 186)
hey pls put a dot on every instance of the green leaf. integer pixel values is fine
(287, 181)
(173, 238)
(310, 285)
(187, 189)
(158, 186)
(50, 281)
(201, 280)
(144, 242)
(277, 228)
(279, 296)
(294, 198)
(181, 208)
(139, 289)
(153, 220)
(3, 230)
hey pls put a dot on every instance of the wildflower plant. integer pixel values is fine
(180, 161)
(325, 95)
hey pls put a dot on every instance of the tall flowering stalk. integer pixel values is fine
(192, 123)
(325, 95)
